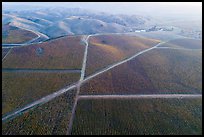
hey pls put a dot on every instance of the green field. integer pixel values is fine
(154, 72)
(63, 53)
(20, 89)
(51, 118)
(105, 50)
(138, 117)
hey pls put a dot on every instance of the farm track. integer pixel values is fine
(119, 63)
(41, 70)
(83, 80)
(38, 102)
(140, 96)
(78, 85)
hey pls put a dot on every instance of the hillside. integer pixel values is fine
(70, 21)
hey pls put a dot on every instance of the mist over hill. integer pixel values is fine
(57, 21)
(76, 18)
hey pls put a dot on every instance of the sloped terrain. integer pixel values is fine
(105, 50)
(157, 71)
(112, 77)
(11, 34)
(184, 43)
(63, 53)
(70, 21)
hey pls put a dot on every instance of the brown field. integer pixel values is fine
(108, 49)
(51, 118)
(157, 71)
(63, 53)
(184, 43)
(138, 117)
(12, 34)
(20, 89)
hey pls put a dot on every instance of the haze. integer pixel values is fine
(169, 9)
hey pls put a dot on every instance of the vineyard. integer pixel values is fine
(63, 53)
(19, 89)
(158, 71)
(51, 118)
(5, 51)
(138, 117)
(113, 48)
(184, 43)
(32, 75)
(11, 34)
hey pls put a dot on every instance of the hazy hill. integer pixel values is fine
(70, 21)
